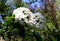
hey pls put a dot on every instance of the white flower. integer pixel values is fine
(25, 16)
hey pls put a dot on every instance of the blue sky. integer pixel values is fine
(28, 1)
(37, 4)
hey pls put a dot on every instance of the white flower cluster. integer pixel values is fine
(25, 16)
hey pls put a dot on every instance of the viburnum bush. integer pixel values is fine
(30, 23)
(25, 16)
